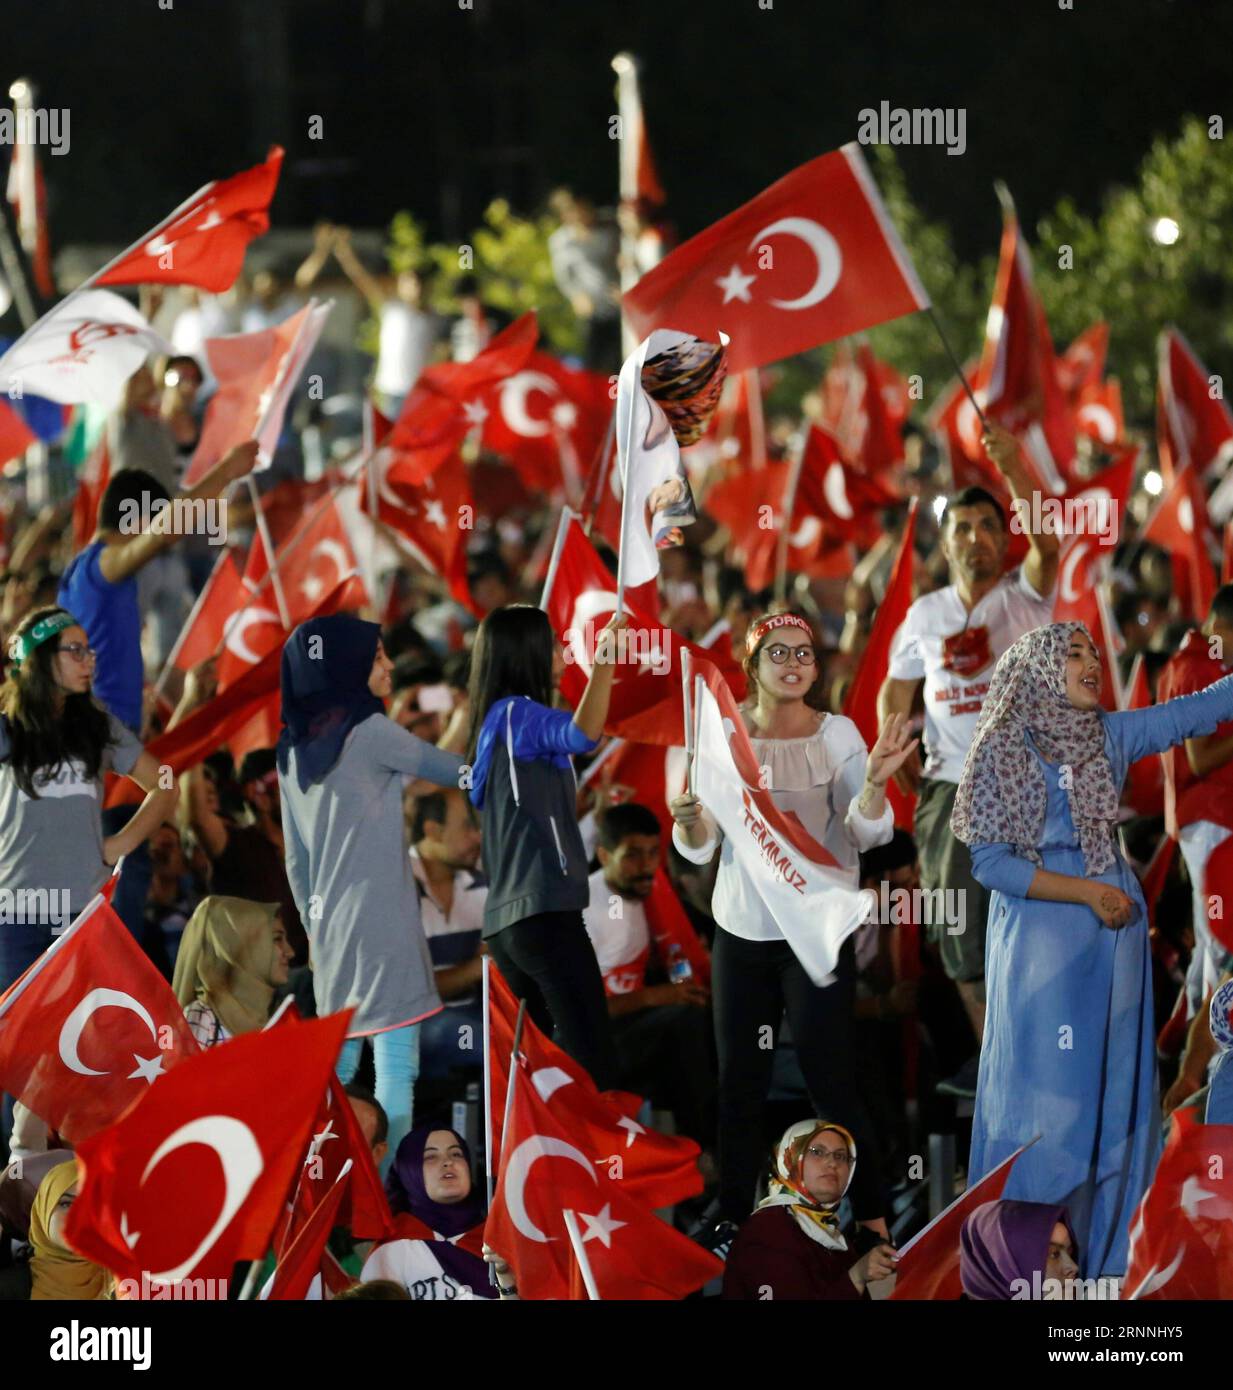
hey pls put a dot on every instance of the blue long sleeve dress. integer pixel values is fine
(1069, 1051)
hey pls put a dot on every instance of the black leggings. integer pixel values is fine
(549, 961)
(754, 983)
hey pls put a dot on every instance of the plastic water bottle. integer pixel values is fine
(680, 972)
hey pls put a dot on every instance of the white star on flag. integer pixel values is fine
(319, 1140)
(311, 587)
(130, 1237)
(564, 415)
(148, 1068)
(434, 513)
(735, 285)
(634, 1128)
(601, 1227)
(476, 413)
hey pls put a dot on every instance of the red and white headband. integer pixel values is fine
(756, 634)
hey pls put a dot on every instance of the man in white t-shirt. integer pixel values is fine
(662, 1032)
(951, 640)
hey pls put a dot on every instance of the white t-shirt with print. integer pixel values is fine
(412, 1264)
(622, 941)
(953, 698)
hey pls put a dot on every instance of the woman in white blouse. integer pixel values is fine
(817, 766)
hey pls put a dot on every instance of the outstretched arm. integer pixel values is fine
(1139, 732)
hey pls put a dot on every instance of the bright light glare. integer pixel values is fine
(1153, 483)
(1165, 231)
(939, 506)
(19, 90)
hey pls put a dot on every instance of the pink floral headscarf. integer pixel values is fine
(1002, 795)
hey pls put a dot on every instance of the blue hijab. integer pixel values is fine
(325, 669)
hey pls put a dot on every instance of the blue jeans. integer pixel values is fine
(21, 944)
(443, 1044)
(396, 1059)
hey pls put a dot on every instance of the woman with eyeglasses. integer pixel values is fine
(56, 744)
(792, 1247)
(816, 768)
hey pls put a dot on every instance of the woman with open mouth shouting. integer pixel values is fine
(1068, 1057)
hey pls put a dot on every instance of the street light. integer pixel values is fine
(1165, 231)
(22, 89)
(1153, 483)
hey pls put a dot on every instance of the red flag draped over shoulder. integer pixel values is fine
(813, 258)
(89, 1027)
(204, 242)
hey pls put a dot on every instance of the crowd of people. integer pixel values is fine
(425, 809)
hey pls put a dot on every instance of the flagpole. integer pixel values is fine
(513, 1066)
(584, 1265)
(263, 531)
(955, 363)
(689, 720)
(625, 65)
(757, 418)
(789, 504)
(567, 515)
(692, 783)
(597, 762)
(489, 1176)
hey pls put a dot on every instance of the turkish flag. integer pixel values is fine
(202, 635)
(670, 926)
(861, 704)
(646, 773)
(751, 505)
(848, 501)
(543, 1173)
(1082, 365)
(547, 420)
(1226, 554)
(656, 1169)
(193, 1178)
(956, 428)
(203, 243)
(296, 1270)
(738, 428)
(1191, 426)
(864, 405)
(1017, 379)
(813, 258)
(1180, 526)
(15, 435)
(257, 373)
(89, 1027)
(646, 703)
(1181, 1240)
(449, 400)
(1099, 412)
(433, 517)
(928, 1266)
(1218, 886)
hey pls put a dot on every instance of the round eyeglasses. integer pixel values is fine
(779, 654)
(78, 651)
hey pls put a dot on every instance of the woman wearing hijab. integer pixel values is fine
(341, 768)
(56, 1271)
(792, 1247)
(1068, 1056)
(234, 954)
(1017, 1250)
(435, 1249)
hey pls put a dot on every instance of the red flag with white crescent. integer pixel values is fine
(1192, 425)
(89, 1027)
(813, 258)
(204, 243)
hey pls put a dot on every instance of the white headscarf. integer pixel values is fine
(787, 1188)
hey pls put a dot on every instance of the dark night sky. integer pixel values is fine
(435, 109)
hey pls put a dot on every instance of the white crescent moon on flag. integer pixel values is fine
(336, 553)
(587, 607)
(514, 392)
(549, 1080)
(1070, 563)
(826, 253)
(519, 1168)
(1100, 417)
(807, 532)
(1185, 515)
(836, 492)
(240, 1156)
(70, 1031)
(1157, 1279)
(238, 624)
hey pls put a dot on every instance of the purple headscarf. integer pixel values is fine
(1002, 797)
(404, 1185)
(1004, 1241)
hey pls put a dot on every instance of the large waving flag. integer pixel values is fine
(84, 349)
(813, 258)
(1192, 425)
(89, 1027)
(1181, 1240)
(203, 242)
(544, 1173)
(193, 1178)
(797, 878)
